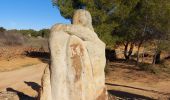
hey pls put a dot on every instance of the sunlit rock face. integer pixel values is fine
(45, 91)
(77, 61)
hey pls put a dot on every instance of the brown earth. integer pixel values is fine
(19, 62)
(12, 52)
(129, 82)
(22, 75)
(24, 81)
(123, 81)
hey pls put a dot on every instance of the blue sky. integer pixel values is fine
(29, 14)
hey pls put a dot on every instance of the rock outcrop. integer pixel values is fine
(77, 62)
(45, 91)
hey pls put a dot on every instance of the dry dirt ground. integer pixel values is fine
(128, 82)
(24, 81)
(125, 82)
(16, 63)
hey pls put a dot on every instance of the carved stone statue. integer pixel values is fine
(77, 62)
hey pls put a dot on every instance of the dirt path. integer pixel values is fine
(132, 90)
(18, 62)
(123, 81)
(127, 81)
(25, 80)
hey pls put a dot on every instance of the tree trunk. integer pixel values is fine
(157, 58)
(131, 49)
(137, 62)
(126, 50)
(128, 53)
(143, 54)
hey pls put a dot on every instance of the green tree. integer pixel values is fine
(2, 29)
(148, 20)
(130, 22)
(31, 32)
(153, 21)
(44, 32)
(106, 14)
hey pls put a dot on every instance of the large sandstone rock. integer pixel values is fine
(77, 62)
(45, 91)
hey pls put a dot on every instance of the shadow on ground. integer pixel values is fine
(33, 85)
(120, 95)
(130, 96)
(23, 96)
(43, 56)
(153, 91)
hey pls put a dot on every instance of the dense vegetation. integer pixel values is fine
(126, 22)
(19, 37)
(30, 32)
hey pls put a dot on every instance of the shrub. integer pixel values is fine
(13, 38)
(149, 68)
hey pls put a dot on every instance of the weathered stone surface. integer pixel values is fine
(82, 17)
(77, 61)
(45, 91)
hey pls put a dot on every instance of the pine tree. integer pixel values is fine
(106, 14)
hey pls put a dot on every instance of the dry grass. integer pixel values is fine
(11, 38)
(17, 63)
